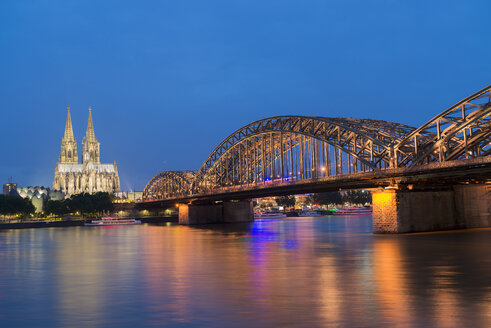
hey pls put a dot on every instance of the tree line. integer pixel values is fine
(15, 205)
(84, 204)
(353, 197)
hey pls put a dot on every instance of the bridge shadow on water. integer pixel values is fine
(339, 224)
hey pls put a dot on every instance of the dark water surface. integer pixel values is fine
(295, 272)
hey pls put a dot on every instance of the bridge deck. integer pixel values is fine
(438, 175)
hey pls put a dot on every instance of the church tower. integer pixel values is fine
(68, 153)
(90, 145)
(91, 176)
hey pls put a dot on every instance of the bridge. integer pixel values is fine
(427, 178)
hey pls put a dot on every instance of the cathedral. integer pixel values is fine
(90, 176)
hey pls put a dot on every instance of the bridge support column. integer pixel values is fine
(226, 212)
(401, 211)
(473, 204)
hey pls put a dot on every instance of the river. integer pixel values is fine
(293, 272)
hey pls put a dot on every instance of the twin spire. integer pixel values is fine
(90, 145)
(89, 134)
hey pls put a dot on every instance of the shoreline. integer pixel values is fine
(75, 223)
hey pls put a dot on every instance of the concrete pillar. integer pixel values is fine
(473, 204)
(385, 218)
(200, 214)
(401, 211)
(238, 211)
(226, 212)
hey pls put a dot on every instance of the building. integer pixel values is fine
(72, 177)
(38, 195)
(128, 196)
(8, 188)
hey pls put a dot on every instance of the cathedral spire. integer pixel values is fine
(90, 145)
(90, 135)
(68, 152)
(68, 126)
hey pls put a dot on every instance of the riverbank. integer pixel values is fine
(41, 224)
(73, 223)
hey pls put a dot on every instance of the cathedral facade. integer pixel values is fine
(90, 176)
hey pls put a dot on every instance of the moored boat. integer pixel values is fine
(353, 211)
(269, 215)
(108, 220)
(309, 213)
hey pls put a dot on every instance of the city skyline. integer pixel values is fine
(168, 82)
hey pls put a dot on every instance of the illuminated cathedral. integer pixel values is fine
(90, 176)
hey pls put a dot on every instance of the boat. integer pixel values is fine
(109, 221)
(269, 215)
(353, 211)
(309, 213)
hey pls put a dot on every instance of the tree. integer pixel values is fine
(56, 207)
(15, 205)
(285, 201)
(358, 197)
(102, 202)
(81, 203)
(84, 203)
(27, 207)
(326, 198)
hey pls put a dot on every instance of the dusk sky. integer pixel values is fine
(169, 80)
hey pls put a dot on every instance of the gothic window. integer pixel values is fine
(92, 155)
(69, 154)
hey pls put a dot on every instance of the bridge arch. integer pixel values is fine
(290, 148)
(462, 131)
(169, 184)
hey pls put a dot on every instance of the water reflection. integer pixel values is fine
(322, 272)
(390, 281)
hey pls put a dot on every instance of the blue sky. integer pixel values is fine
(169, 80)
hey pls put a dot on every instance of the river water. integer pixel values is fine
(294, 272)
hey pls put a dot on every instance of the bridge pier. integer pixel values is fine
(459, 207)
(224, 212)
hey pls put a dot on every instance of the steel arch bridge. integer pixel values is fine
(296, 148)
(169, 184)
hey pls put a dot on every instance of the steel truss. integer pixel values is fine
(293, 148)
(460, 132)
(289, 148)
(169, 184)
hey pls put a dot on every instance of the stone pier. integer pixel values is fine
(224, 212)
(459, 207)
